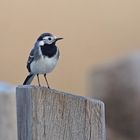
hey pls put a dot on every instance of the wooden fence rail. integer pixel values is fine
(48, 114)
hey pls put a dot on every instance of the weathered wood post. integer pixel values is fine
(8, 116)
(47, 114)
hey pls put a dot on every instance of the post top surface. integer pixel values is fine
(54, 91)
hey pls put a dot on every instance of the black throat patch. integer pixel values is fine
(49, 50)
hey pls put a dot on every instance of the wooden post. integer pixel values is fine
(8, 127)
(47, 114)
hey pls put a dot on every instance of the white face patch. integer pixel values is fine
(49, 39)
(45, 38)
(41, 43)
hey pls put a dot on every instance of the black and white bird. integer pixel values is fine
(43, 57)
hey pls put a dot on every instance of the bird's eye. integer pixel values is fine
(49, 38)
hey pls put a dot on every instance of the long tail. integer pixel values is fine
(29, 79)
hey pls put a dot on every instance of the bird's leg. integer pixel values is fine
(38, 79)
(46, 80)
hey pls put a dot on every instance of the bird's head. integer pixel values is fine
(47, 39)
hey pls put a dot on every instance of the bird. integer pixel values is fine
(43, 58)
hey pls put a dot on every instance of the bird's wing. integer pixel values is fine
(30, 59)
(34, 56)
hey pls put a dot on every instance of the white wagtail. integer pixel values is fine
(43, 57)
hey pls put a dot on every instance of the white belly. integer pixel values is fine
(43, 65)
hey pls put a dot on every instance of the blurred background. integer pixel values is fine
(94, 31)
(99, 36)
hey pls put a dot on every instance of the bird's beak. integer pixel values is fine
(58, 38)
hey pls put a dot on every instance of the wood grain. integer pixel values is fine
(48, 114)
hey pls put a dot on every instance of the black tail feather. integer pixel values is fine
(28, 79)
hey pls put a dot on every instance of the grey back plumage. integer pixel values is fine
(34, 55)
